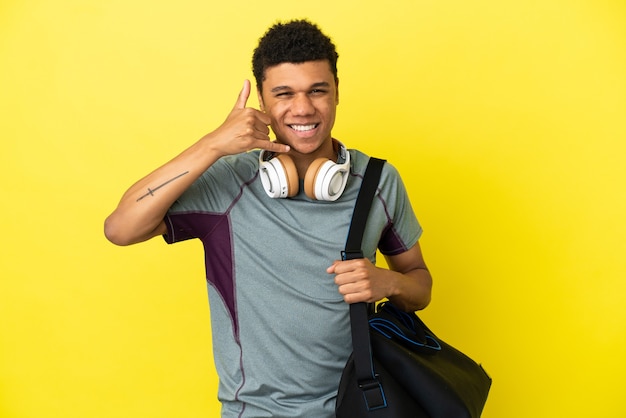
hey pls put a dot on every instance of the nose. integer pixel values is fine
(302, 105)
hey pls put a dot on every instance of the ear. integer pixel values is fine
(337, 91)
(260, 97)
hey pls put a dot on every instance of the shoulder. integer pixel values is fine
(235, 169)
(359, 162)
(220, 183)
(246, 163)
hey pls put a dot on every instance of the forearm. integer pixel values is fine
(410, 281)
(142, 208)
(411, 291)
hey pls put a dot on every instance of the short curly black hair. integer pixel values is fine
(295, 41)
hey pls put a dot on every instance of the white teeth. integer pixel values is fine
(303, 128)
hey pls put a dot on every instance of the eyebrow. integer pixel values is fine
(313, 86)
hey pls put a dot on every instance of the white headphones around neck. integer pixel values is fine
(324, 179)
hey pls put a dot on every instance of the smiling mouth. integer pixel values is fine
(304, 128)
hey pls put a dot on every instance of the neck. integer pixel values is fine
(329, 149)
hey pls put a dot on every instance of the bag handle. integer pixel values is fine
(362, 351)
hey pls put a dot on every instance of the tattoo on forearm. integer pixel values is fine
(151, 191)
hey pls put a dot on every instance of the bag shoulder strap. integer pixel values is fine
(363, 362)
(362, 208)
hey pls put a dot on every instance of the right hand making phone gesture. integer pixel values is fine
(244, 129)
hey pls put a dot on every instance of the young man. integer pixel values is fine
(273, 217)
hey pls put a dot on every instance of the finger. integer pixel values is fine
(265, 118)
(343, 266)
(243, 95)
(331, 268)
(262, 122)
(273, 146)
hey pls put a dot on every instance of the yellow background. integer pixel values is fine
(507, 120)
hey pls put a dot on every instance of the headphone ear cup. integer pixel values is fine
(310, 178)
(291, 174)
(325, 180)
(278, 176)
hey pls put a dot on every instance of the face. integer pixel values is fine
(301, 100)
